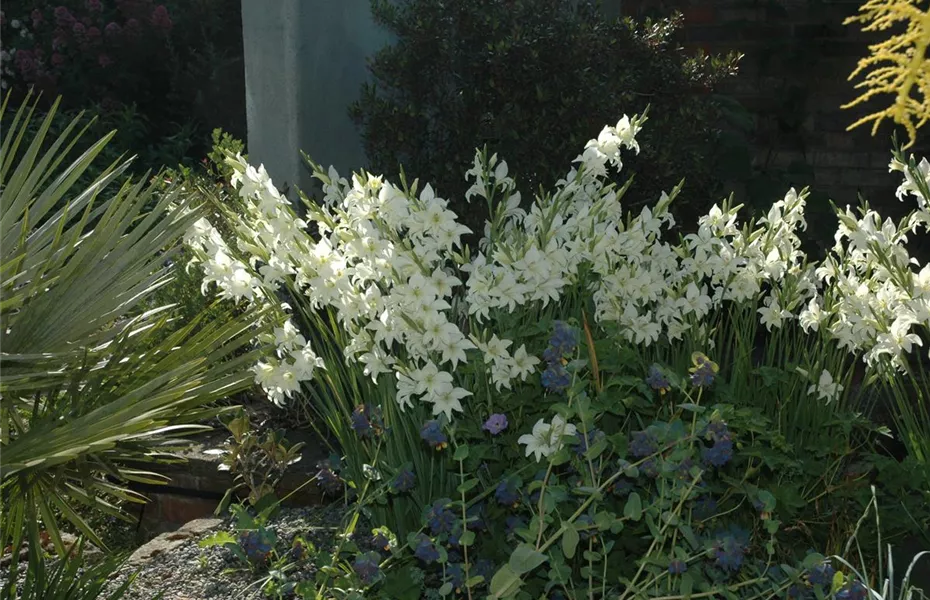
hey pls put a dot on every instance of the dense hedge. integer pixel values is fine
(533, 80)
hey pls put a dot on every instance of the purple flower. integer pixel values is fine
(78, 30)
(495, 424)
(367, 567)
(36, 17)
(93, 5)
(104, 61)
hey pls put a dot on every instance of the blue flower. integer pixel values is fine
(657, 380)
(512, 523)
(425, 549)
(508, 492)
(367, 567)
(729, 548)
(360, 423)
(475, 515)
(677, 567)
(719, 454)
(586, 442)
(621, 487)
(256, 546)
(853, 591)
(438, 518)
(705, 508)
(404, 481)
(552, 356)
(485, 568)
(555, 378)
(456, 574)
(495, 424)
(432, 434)
(822, 575)
(643, 444)
(585, 522)
(327, 479)
(704, 370)
(716, 431)
(563, 338)
(379, 540)
(298, 550)
(683, 470)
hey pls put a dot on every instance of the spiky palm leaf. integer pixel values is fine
(68, 578)
(96, 382)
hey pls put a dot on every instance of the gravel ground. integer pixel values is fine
(189, 572)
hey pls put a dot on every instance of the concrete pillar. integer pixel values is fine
(305, 61)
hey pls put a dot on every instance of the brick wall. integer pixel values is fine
(793, 79)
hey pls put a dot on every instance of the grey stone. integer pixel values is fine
(168, 541)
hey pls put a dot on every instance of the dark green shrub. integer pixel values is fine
(534, 80)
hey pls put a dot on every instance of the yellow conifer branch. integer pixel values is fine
(907, 78)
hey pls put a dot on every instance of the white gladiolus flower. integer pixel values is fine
(546, 438)
(825, 388)
(386, 262)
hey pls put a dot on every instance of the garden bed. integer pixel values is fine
(186, 571)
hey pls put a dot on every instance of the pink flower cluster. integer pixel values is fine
(76, 33)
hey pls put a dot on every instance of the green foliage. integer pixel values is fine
(257, 462)
(68, 578)
(533, 81)
(97, 382)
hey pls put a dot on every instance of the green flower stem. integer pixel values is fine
(352, 523)
(541, 508)
(713, 592)
(464, 528)
(661, 535)
(584, 505)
